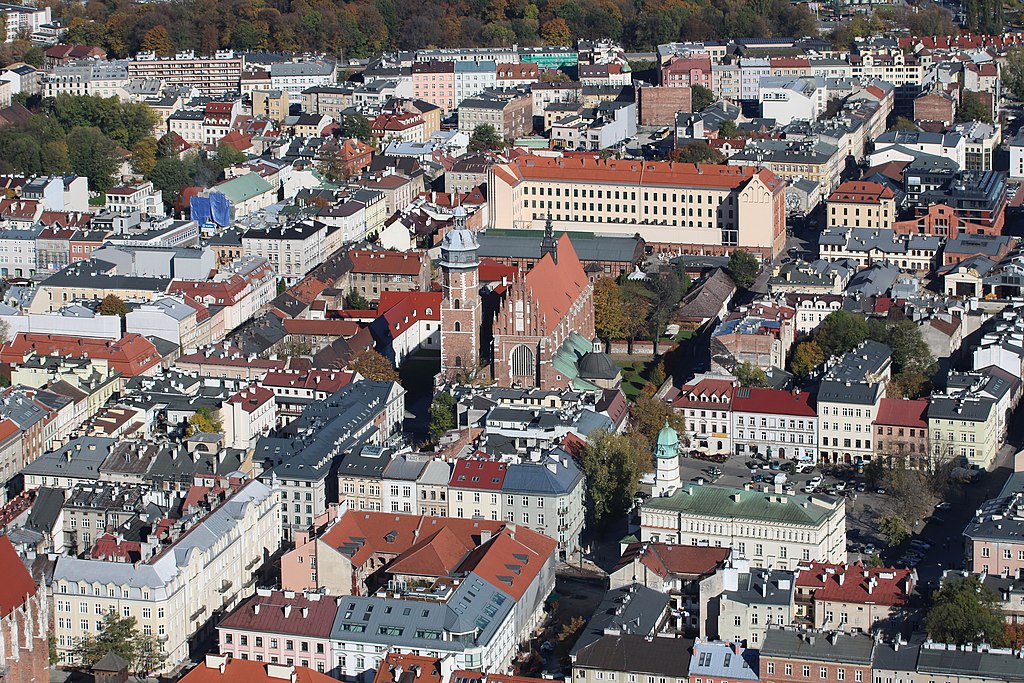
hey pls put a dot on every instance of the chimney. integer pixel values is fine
(287, 611)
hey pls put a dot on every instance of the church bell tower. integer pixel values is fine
(461, 314)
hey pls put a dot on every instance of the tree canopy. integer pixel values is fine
(121, 636)
(372, 365)
(701, 98)
(485, 138)
(613, 464)
(112, 304)
(743, 267)
(965, 611)
(442, 415)
(750, 375)
(359, 28)
(204, 420)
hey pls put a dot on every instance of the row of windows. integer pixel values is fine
(823, 672)
(289, 645)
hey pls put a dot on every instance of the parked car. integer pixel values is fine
(862, 487)
(815, 480)
(944, 505)
(869, 549)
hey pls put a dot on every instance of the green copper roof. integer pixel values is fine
(724, 501)
(668, 443)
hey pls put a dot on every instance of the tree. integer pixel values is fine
(93, 155)
(159, 41)
(700, 98)
(908, 384)
(750, 375)
(373, 365)
(840, 332)
(571, 629)
(144, 155)
(727, 129)
(697, 152)
(204, 420)
(1013, 72)
(556, 32)
(442, 415)
(485, 138)
(874, 472)
(228, 156)
(356, 301)
(121, 636)
(112, 304)
(609, 315)
(875, 561)
(637, 301)
(973, 108)
(612, 464)
(806, 357)
(965, 611)
(893, 528)
(356, 126)
(648, 415)
(170, 175)
(743, 267)
(903, 123)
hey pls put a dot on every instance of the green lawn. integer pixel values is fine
(634, 377)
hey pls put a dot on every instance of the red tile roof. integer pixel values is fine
(509, 559)
(286, 613)
(557, 286)
(861, 192)
(478, 473)
(773, 401)
(131, 355)
(17, 586)
(401, 310)
(108, 547)
(329, 328)
(414, 669)
(328, 381)
(713, 393)
(857, 583)
(664, 559)
(252, 398)
(903, 413)
(586, 168)
(251, 671)
(386, 262)
(492, 271)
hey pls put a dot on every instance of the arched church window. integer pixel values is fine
(522, 361)
(458, 326)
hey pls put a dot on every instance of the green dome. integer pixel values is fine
(668, 443)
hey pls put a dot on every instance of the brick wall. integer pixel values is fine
(658, 105)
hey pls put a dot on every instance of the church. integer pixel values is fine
(536, 332)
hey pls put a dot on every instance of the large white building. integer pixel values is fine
(174, 591)
(292, 250)
(793, 99)
(766, 527)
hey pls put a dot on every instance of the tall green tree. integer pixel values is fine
(93, 155)
(743, 267)
(972, 108)
(749, 375)
(121, 636)
(609, 314)
(806, 357)
(485, 138)
(965, 611)
(701, 98)
(204, 420)
(612, 464)
(840, 332)
(112, 304)
(442, 415)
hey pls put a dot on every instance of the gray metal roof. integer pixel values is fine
(659, 656)
(633, 609)
(764, 587)
(550, 476)
(79, 459)
(470, 617)
(860, 393)
(526, 244)
(818, 646)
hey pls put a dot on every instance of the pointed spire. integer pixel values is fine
(548, 245)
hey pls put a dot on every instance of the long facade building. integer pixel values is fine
(216, 75)
(696, 208)
(174, 593)
(768, 528)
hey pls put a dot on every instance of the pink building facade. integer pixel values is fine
(281, 627)
(434, 82)
(689, 71)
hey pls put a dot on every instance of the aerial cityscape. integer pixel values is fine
(503, 342)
